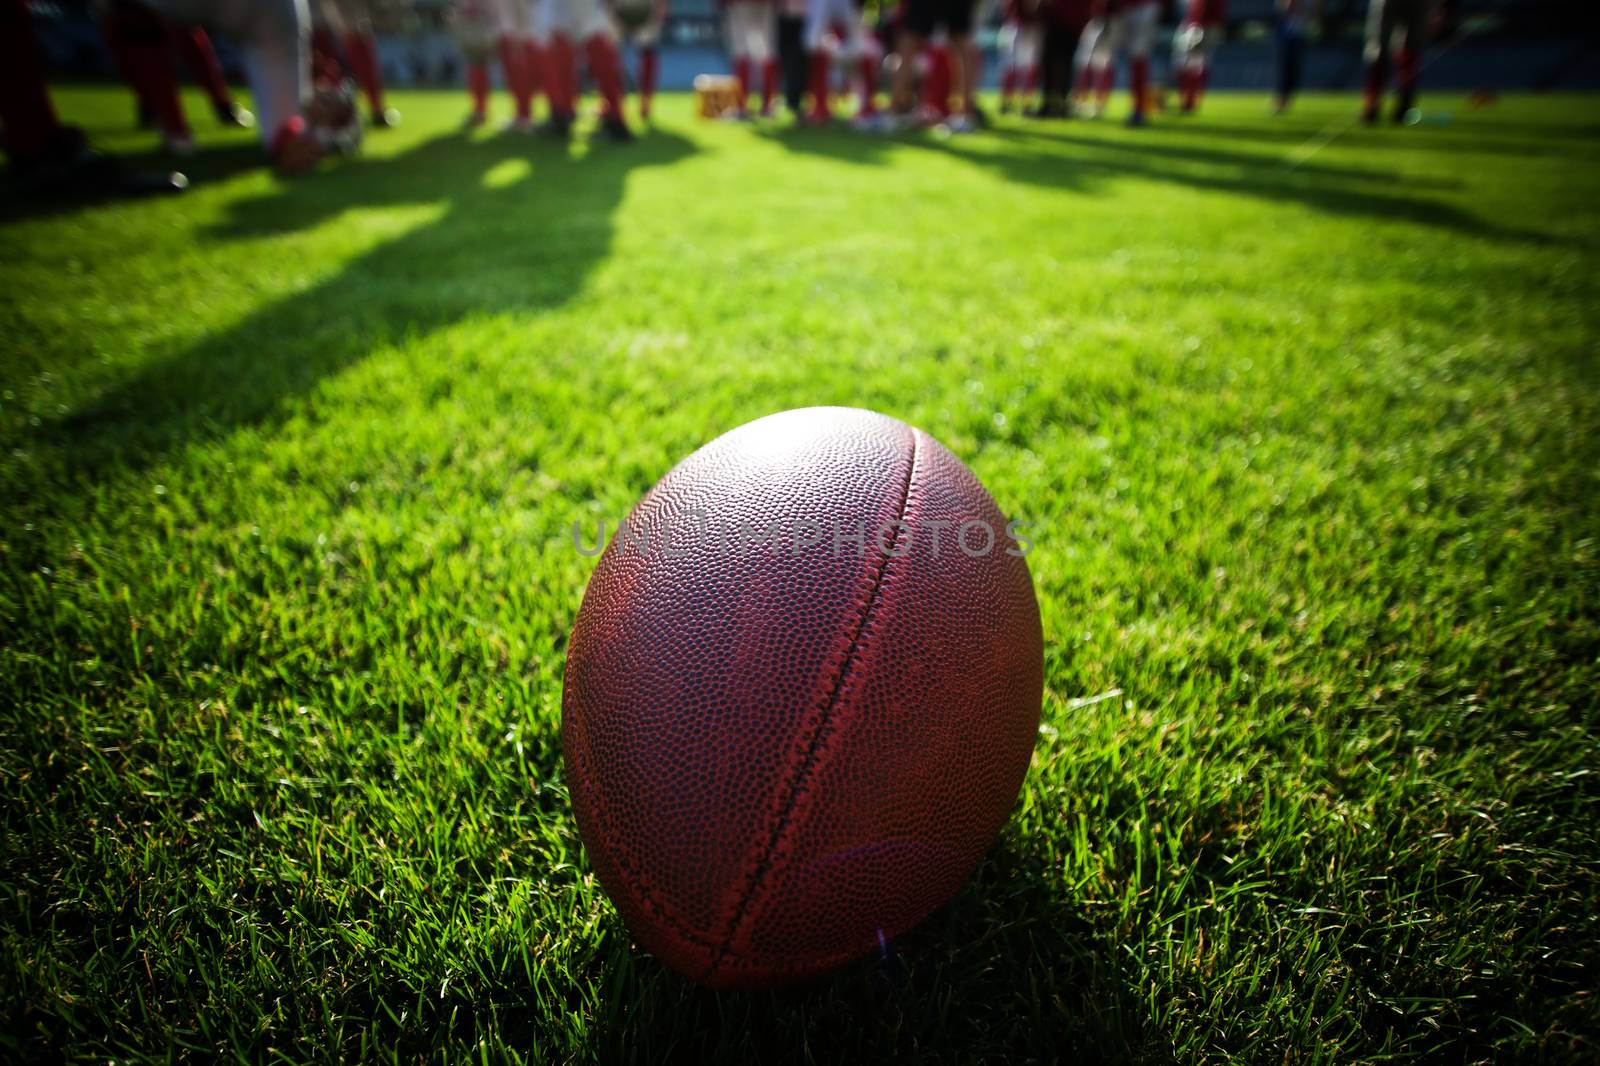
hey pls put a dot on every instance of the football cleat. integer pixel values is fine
(615, 130)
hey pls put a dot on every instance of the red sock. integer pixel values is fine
(560, 70)
(519, 77)
(1030, 80)
(1104, 80)
(649, 69)
(741, 76)
(533, 61)
(869, 85)
(478, 86)
(769, 84)
(1085, 80)
(362, 49)
(326, 66)
(25, 108)
(194, 46)
(936, 94)
(1139, 77)
(605, 65)
(1008, 84)
(819, 84)
(148, 52)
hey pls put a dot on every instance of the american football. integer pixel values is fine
(793, 728)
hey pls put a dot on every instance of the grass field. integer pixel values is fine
(286, 575)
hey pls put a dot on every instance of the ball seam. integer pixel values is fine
(824, 726)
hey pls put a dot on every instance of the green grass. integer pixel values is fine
(288, 472)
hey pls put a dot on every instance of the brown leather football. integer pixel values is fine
(801, 695)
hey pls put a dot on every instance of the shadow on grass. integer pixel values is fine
(527, 244)
(1007, 972)
(1469, 135)
(1071, 161)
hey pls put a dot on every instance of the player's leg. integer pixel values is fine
(1291, 43)
(600, 48)
(1083, 61)
(1380, 29)
(1182, 45)
(361, 48)
(47, 158)
(1057, 44)
(862, 50)
(964, 68)
(740, 27)
(194, 47)
(1408, 59)
(144, 39)
(761, 45)
(1107, 47)
(519, 59)
(1008, 64)
(648, 40)
(819, 13)
(1141, 23)
(554, 34)
(769, 62)
(476, 30)
(144, 114)
(1030, 45)
(1208, 46)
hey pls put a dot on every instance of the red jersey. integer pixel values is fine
(1207, 12)
(1071, 13)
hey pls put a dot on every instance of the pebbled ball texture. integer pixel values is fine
(782, 753)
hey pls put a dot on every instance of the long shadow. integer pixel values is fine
(1336, 190)
(529, 244)
(1467, 135)
(212, 164)
(1341, 190)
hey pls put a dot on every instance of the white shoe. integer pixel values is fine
(959, 124)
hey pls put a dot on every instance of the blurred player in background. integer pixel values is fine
(1397, 28)
(752, 28)
(296, 125)
(1294, 22)
(475, 25)
(1083, 89)
(137, 37)
(1063, 23)
(923, 19)
(1203, 27)
(484, 29)
(1130, 25)
(1021, 36)
(837, 23)
(641, 22)
(46, 157)
(561, 26)
(344, 27)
